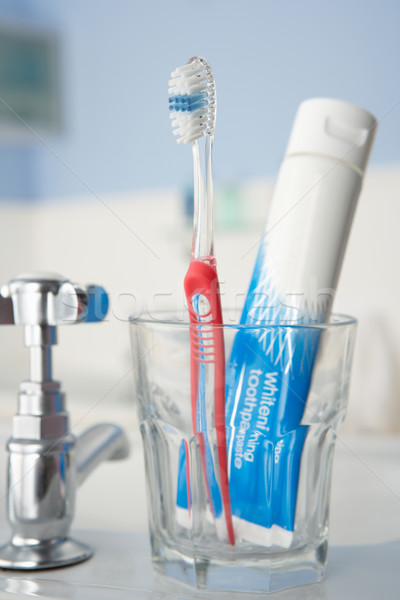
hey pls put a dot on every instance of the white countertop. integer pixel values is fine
(121, 570)
(364, 538)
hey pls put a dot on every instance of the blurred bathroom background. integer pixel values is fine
(93, 185)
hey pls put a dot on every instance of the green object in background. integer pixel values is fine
(229, 212)
(29, 67)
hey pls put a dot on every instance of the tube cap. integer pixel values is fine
(333, 128)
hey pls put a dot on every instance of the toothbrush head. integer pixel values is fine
(192, 100)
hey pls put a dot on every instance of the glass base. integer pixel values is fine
(252, 574)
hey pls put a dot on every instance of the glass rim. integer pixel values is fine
(335, 320)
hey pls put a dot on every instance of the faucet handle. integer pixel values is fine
(50, 299)
(97, 304)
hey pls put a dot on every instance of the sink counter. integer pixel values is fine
(364, 537)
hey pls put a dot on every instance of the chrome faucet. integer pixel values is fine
(46, 462)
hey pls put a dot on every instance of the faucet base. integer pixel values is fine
(44, 555)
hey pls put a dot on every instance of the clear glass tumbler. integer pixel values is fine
(187, 524)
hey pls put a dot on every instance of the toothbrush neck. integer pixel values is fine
(203, 227)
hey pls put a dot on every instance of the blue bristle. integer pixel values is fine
(188, 102)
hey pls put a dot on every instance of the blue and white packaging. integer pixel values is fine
(293, 284)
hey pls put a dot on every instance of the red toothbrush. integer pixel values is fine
(192, 102)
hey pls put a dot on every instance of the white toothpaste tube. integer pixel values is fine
(294, 280)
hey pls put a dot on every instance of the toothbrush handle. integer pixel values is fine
(202, 281)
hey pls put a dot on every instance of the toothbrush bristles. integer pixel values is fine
(192, 100)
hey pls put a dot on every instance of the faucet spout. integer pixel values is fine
(100, 442)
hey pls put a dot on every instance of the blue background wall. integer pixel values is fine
(267, 57)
